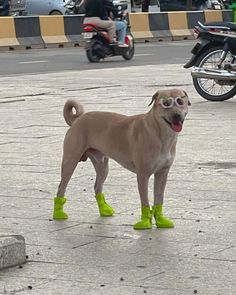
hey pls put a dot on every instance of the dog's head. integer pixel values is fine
(171, 107)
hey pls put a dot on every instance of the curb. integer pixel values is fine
(12, 250)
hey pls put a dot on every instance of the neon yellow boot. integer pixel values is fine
(105, 210)
(58, 212)
(146, 219)
(161, 220)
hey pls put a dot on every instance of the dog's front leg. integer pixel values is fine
(160, 180)
(146, 214)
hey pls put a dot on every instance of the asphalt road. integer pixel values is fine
(73, 58)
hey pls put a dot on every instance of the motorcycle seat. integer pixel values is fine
(230, 25)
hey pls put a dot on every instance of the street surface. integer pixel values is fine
(88, 254)
(74, 58)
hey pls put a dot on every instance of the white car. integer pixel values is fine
(45, 7)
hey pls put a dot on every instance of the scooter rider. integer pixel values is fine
(121, 26)
(97, 12)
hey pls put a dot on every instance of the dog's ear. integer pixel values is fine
(189, 103)
(154, 98)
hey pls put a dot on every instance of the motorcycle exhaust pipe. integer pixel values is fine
(198, 72)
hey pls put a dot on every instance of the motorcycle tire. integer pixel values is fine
(91, 52)
(199, 83)
(128, 55)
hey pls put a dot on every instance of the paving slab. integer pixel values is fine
(12, 250)
(88, 254)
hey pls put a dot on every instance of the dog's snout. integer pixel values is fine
(176, 117)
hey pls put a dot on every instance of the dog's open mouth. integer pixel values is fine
(175, 125)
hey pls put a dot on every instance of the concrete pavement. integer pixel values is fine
(92, 255)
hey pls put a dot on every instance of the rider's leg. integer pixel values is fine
(121, 29)
(108, 25)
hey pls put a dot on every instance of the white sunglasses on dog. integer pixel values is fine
(168, 102)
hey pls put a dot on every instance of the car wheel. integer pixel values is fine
(55, 12)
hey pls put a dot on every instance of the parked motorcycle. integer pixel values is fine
(214, 60)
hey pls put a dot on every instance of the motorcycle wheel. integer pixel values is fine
(130, 52)
(91, 52)
(210, 89)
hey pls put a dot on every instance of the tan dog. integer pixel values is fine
(144, 144)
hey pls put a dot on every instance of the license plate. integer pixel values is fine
(88, 35)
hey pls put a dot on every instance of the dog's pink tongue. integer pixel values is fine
(177, 126)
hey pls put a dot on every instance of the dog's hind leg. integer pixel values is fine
(100, 163)
(160, 180)
(70, 160)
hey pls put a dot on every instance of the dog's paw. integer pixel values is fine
(105, 210)
(143, 224)
(164, 222)
(161, 220)
(59, 215)
(146, 219)
(58, 212)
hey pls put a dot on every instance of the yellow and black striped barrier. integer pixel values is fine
(7, 32)
(173, 25)
(40, 31)
(46, 31)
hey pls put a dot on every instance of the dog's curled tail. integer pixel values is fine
(72, 110)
